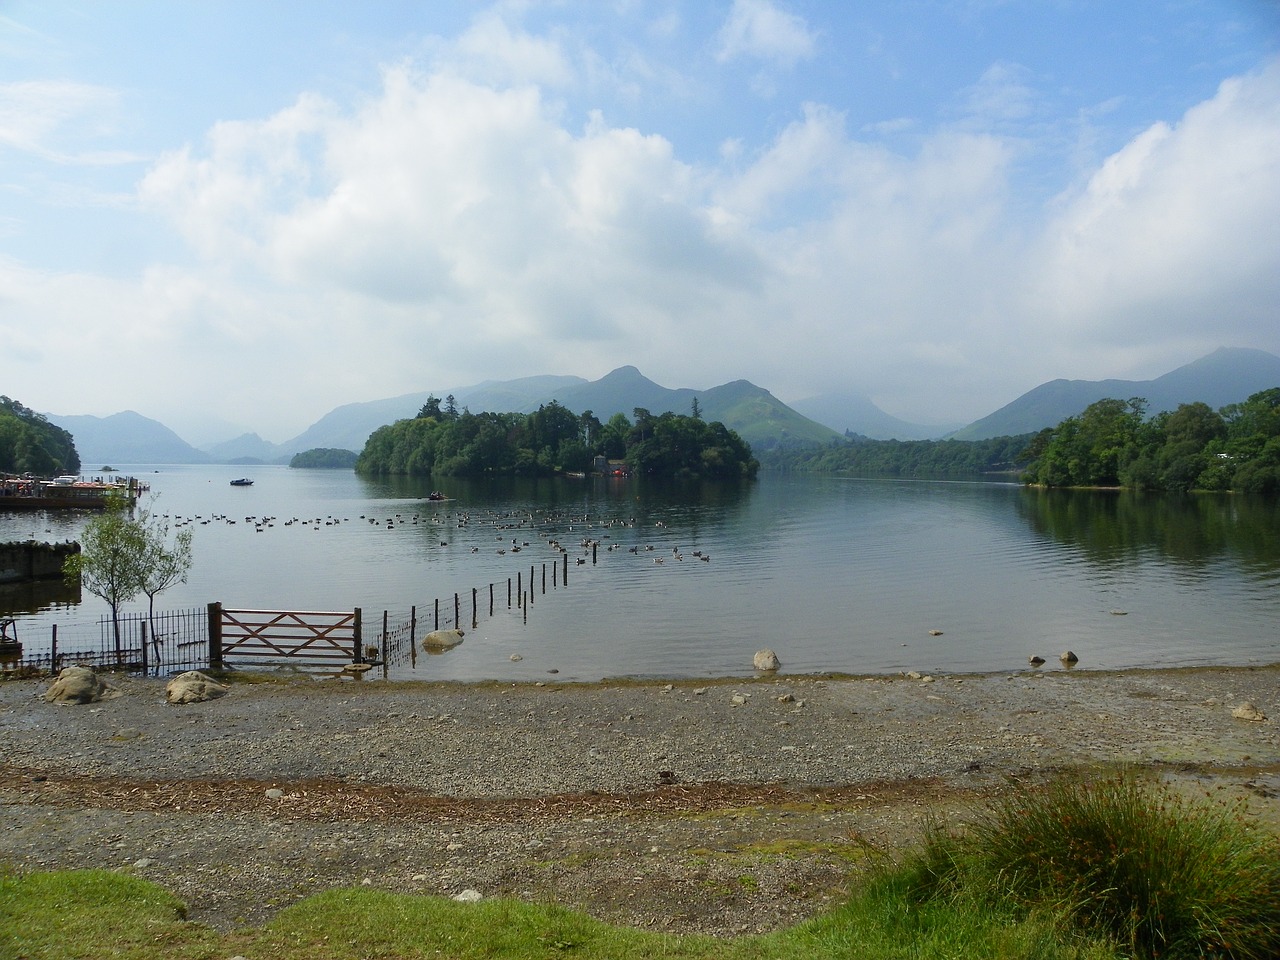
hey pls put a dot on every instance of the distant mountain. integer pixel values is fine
(126, 437)
(348, 427)
(857, 413)
(756, 415)
(760, 418)
(247, 448)
(1228, 375)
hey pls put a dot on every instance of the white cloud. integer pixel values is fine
(762, 30)
(46, 117)
(1177, 232)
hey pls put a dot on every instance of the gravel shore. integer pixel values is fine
(717, 807)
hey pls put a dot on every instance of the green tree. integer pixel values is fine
(163, 565)
(29, 443)
(112, 560)
(431, 408)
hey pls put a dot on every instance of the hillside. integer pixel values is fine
(858, 414)
(126, 437)
(1228, 375)
(30, 443)
(759, 417)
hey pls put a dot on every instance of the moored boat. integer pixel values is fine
(64, 493)
(242, 482)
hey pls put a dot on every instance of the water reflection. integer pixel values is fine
(1112, 526)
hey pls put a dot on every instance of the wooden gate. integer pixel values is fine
(312, 638)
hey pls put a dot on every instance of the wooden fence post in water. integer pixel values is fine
(508, 593)
(594, 547)
(491, 600)
(457, 619)
(215, 635)
(473, 608)
(565, 578)
(520, 587)
(53, 651)
(357, 640)
(413, 636)
(544, 579)
(531, 590)
(385, 641)
(437, 626)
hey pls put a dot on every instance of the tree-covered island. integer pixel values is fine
(324, 458)
(553, 440)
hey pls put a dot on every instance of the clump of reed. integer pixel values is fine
(1125, 858)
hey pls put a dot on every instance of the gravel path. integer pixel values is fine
(722, 807)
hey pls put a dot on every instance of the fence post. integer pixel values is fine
(474, 614)
(215, 635)
(565, 579)
(437, 626)
(53, 651)
(357, 643)
(384, 645)
(413, 636)
(145, 667)
(532, 591)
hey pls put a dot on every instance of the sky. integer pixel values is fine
(237, 215)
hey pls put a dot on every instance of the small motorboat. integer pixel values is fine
(242, 482)
(436, 495)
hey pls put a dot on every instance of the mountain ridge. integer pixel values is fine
(1228, 375)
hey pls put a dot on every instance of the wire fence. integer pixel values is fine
(164, 642)
(177, 640)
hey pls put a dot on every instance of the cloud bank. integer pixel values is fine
(462, 222)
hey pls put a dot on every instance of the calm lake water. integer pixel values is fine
(833, 574)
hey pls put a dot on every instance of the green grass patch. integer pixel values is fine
(1082, 870)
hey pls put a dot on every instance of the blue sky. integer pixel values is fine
(238, 215)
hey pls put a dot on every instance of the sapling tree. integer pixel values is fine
(112, 559)
(164, 565)
(122, 555)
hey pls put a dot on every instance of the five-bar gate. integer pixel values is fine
(311, 638)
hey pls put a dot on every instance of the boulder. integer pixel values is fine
(438, 640)
(767, 660)
(79, 685)
(1068, 658)
(1247, 711)
(193, 687)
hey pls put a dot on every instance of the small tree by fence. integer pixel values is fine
(219, 637)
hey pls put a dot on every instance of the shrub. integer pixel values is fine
(1159, 875)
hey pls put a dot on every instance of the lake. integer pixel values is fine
(834, 574)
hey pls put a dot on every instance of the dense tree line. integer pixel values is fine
(441, 440)
(907, 458)
(31, 444)
(330, 458)
(1114, 443)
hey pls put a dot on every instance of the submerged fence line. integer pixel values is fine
(177, 640)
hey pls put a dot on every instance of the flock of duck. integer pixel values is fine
(550, 528)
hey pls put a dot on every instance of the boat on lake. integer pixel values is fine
(242, 482)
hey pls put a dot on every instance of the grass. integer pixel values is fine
(1079, 871)
(1123, 859)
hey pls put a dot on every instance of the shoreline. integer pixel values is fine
(713, 805)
